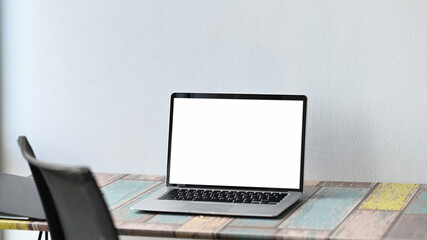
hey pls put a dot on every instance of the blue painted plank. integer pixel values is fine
(419, 204)
(122, 191)
(170, 218)
(126, 214)
(272, 222)
(326, 209)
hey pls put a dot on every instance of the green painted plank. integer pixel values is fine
(122, 191)
(326, 209)
(389, 196)
(418, 204)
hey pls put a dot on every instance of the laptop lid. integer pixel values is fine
(239, 141)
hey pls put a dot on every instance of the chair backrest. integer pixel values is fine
(73, 203)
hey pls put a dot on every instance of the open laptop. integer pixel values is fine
(232, 154)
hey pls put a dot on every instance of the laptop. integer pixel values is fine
(232, 154)
(19, 198)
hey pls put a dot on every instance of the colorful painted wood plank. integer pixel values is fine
(15, 224)
(347, 184)
(162, 218)
(301, 234)
(389, 196)
(310, 183)
(39, 226)
(144, 177)
(147, 229)
(325, 209)
(202, 227)
(409, 226)
(122, 191)
(273, 222)
(247, 233)
(418, 204)
(256, 222)
(103, 179)
(126, 214)
(365, 224)
(308, 191)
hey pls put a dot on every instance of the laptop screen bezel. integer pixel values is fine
(238, 96)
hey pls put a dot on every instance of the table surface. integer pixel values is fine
(327, 210)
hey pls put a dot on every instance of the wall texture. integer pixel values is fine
(89, 81)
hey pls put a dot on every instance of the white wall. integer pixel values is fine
(89, 81)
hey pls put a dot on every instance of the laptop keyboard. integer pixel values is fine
(180, 194)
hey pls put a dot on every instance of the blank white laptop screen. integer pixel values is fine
(236, 142)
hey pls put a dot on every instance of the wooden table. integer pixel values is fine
(328, 210)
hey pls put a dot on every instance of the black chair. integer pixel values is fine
(73, 203)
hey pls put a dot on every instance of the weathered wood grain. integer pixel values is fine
(256, 222)
(247, 233)
(308, 191)
(40, 226)
(15, 224)
(389, 196)
(418, 204)
(126, 214)
(163, 218)
(202, 227)
(122, 191)
(409, 226)
(301, 234)
(273, 222)
(325, 209)
(365, 224)
(144, 177)
(346, 184)
(147, 229)
(103, 179)
(311, 183)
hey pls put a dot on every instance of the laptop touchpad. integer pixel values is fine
(207, 207)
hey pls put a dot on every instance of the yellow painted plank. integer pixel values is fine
(14, 224)
(389, 196)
